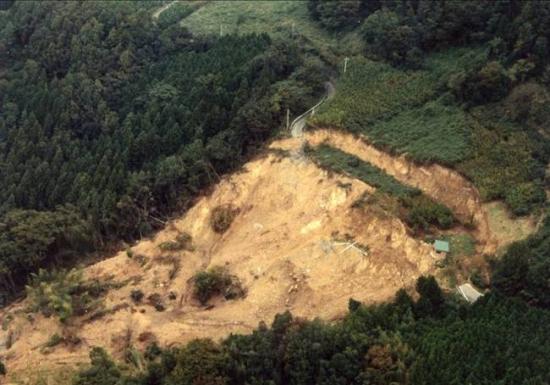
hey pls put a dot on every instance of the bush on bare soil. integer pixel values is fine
(424, 212)
(155, 300)
(216, 281)
(64, 293)
(222, 217)
(182, 242)
(136, 295)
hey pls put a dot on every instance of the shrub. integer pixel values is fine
(425, 212)
(524, 197)
(54, 340)
(102, 371)
(199, 362)
(3, 370)
(488, 84)
(504, 164)
(155, 300)
(222, 217)
(64, 293)
(216, 281)
(529, 103)
(182, 242)
(152, 351)
(479, 280)
(419, 211)
(136, 295)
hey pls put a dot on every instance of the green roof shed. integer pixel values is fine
(441, 246)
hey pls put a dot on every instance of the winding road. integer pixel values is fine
(157, 13)
(298, 124)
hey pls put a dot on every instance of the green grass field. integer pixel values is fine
(432, 132)
(412, 112)
(399, 111)
(370, 91)
(280, 19)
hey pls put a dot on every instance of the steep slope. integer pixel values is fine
(298, 243)
(288, 245)
(442, 184)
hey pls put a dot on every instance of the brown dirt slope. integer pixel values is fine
(442, 184)
(289, 245)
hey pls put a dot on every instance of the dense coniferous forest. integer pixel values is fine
(110, 121)
(435, 339)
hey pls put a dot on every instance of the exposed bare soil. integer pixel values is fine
(442, 184)
(287, 245)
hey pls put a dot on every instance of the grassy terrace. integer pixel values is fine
(276, 18)
(419, 211)
(341, 162)
(402, 110)
(272, 17)
(414, 113)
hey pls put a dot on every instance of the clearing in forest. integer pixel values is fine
(299, 238)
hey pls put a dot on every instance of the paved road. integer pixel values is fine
(297, 126)
(157, 13)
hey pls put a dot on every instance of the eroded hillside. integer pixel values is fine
(298, 243)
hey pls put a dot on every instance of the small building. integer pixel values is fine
(441, 246)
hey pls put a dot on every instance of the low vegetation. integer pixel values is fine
(176, 12)
(416, 209)
(341, 162)
(222, 217)
(183, 241)
(216, 281)
(370, 91)
(63, 293)
(433, 132)
(280, 19)
(427, 119)
(404, 341)
(461, 245)
(523, 271)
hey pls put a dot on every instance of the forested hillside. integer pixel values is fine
(110, 122)
(481, 107)
(463, 84)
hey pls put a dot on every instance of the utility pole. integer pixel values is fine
(346, 64)
(287, 118)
